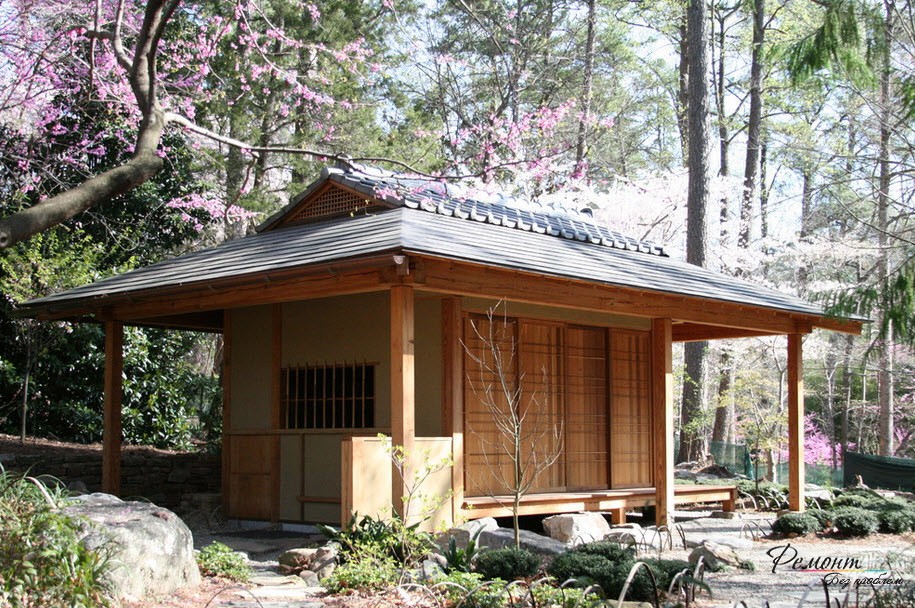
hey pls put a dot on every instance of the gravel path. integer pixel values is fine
(782, 588)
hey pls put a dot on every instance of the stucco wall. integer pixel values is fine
(251, 336)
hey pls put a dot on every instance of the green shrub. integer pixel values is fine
(591, 565)
(405, 544)
(569, 597)
(608, 550)
(852, 521)
(508, 564)
(666, 569)
(216, 559)
(896, 521)
(42, 562)
(469, 589)
(363, 572)
(577, 564)
(823, 516)
(796, 523)
(857, 500)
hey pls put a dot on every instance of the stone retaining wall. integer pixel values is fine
(154, 475)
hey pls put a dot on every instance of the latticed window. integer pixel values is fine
(335, 396)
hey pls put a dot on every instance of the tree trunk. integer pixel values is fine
(763, 192)
(723, 412)
(587, 92)
(753, 124)
(683, 90)
(885, 355)
(25, 401)
(696, 220)
(847, 386)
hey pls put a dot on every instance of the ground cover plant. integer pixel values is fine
(217, 559)
(42, 562)
(854, 512)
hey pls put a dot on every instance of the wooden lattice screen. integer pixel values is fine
(630, 409)
(330, 396)
(332, 202)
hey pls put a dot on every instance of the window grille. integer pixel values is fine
(334, 396)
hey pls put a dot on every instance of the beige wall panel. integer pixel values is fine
(338, 329)
(370, 485)
(290, 477)
(322, 465)
(583, 317)
(251, 357)
(428, 320)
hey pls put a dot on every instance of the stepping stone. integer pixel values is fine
(246, 545)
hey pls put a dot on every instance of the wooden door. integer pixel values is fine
(630, 409)
(586, 408)
(540, 405)
(490, 384)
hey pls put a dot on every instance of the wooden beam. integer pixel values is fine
(696, 332)
(403, 423)
(111, 434)
(226, 408)
(796, 500)
(453, 395)
(461, 278)
(662, 399)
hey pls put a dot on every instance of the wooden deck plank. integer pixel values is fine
(611, 501)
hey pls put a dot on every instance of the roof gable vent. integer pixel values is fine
(332, 202)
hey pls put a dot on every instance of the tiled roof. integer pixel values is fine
(451, 200)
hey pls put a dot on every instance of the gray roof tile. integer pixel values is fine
(441, 236)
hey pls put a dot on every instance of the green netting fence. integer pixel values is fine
(736, 458)
(880, 471)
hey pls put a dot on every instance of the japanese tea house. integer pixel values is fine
(360, 309)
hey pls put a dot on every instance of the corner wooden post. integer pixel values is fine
(453, 396)
(111, 437)
(662, 399)
(403, 424)
(226, 410)
(796, 500)
(276, 363)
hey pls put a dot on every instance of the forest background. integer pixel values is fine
(135, 131)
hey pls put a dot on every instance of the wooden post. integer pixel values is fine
(276, 363)
(796, 500)
(111, 437)
(662, 399)
(403, 424)
(226, 410)
(453, 396)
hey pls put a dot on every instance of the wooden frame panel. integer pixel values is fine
(796, 500)
(453, 394)
(403, 397)
(226, 407)
(662, 401)
(111, 433)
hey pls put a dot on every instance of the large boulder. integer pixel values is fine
(535, 543)
(715, 556)
(150, 550)
(576, 528)
(463, 533)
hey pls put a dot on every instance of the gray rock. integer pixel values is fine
(734, 542)
(324, 561)
(78, 486)
(715, 556)
(725, 515)
(536, 543)
(297, 558)
(432, 570)
(151, 551)
(310, 578)
(463, 533)
(577, 528)
(685, 474)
